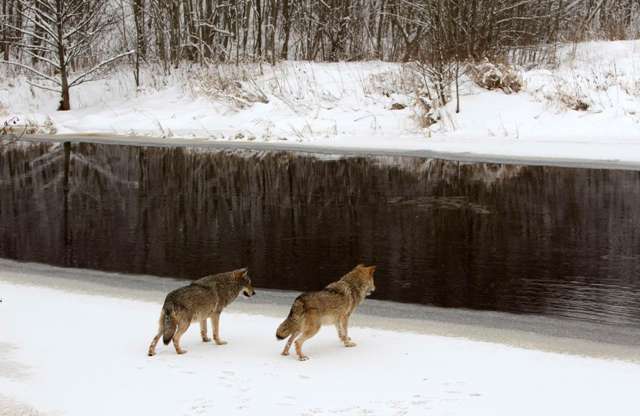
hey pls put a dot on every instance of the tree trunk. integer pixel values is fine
(227, 21)
(239, 23)
(284, 53)
(258, 44)
(138, 16)
(15, 10)
(245, 35)
(174, 38)
(379, 51)
(40, 34)
(158, 18)
(5, 29)
(191, 31)
(273, 26)
(629, 14)
(65, 102)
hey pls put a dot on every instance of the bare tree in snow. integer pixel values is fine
(10, 17)
(57, 34)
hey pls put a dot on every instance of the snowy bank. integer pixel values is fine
(65, 352)
(351, 105)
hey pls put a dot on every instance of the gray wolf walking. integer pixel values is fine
(332, 305)
(204, 298)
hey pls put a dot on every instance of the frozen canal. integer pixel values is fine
(544, 240)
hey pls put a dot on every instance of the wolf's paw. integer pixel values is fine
(350, 344)
(206, 339)
(151, 353)
(285, 353)
(303, 358)
(221, 342)
(181, 352)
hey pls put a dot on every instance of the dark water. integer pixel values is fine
(542, 240)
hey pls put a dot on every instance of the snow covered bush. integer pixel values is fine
(405, 83)
(402, 81)
(19, 126)
(6, 125)
(49, 127)
(573, 101)
(236, 87)
(15, 126)
(572, 92)
(425, 113)
(492, 76)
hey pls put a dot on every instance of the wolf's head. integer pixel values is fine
(364, 277)
(245, 282)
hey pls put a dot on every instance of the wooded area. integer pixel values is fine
(50, 39)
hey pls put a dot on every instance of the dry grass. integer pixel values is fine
(404, 81)
(496, 76)
(409, 81)
(235, 85)
(15, 126)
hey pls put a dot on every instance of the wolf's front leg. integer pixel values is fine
(215, 322)
(203, 331)
(344, 324)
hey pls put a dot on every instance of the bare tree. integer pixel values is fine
(10, 19)
(66, 31)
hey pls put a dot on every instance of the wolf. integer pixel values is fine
(204, 298)
(331, 305)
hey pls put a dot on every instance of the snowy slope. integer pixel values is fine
(68, 353)
(348, 105)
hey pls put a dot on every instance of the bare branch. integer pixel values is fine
(80, 79)
(42, 87)
(32, 70)
(42, 58)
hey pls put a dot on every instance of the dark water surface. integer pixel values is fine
(525, 239)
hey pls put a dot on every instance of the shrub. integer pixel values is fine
(238, 89)
(493, 76)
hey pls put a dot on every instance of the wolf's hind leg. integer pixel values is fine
(203, 331)
(183, 325)
(215, 322)
(287, 346)
(310, 330)
(154, 342)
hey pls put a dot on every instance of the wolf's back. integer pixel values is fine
(292, 323)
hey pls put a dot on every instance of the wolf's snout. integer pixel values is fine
(248, 294)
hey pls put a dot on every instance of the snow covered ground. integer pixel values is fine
(65, 351)
(348, 106)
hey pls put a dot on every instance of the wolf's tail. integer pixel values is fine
(292, 323)
(169, 326)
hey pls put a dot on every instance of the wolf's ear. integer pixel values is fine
(359, 266)
(371, 269)
(240, 273)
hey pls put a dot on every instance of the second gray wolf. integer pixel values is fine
(204, 298)
(331, 305)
